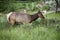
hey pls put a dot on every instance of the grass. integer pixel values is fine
(37, 30)
(53, 16)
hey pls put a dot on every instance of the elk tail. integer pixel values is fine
(8, 16)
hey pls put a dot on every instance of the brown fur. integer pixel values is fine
(24, 18)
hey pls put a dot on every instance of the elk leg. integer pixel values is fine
(12, 22)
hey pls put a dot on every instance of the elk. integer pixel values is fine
(16, 17)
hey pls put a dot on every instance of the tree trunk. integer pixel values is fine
(57, 5)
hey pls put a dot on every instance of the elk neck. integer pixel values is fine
(34, 17)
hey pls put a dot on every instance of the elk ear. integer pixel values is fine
(39, 11)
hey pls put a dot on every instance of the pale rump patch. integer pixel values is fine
(8, 15)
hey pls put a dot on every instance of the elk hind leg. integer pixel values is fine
(12, 22)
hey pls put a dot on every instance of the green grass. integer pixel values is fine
(37, 30)
(18, 6)
(53, 16)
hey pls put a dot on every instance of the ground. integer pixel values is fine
(37, 30)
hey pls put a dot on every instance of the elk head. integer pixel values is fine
(40, 15)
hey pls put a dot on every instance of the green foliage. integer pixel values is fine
(47, 7)
(4, 4)
(12, 5)
(18, 6)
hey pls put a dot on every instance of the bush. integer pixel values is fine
(17, 6)
(46, 7)
(13, 5)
